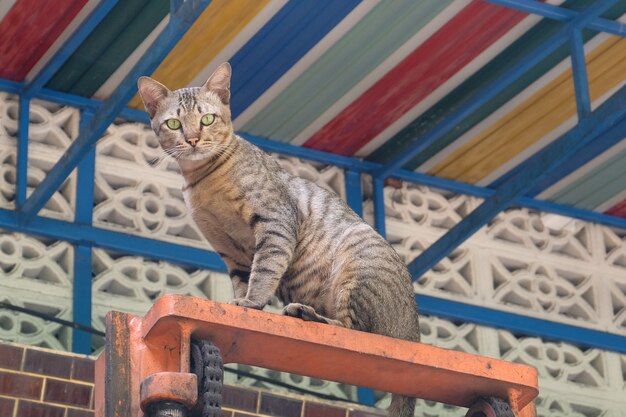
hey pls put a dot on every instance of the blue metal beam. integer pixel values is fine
(66, 99)
(609, 114)
(562, 14)
(133, 245)
(68, 48)
(591, 151)
(379, 206)
(21, 169)
(197, 258)
(357, 165)
(140, 116)
(12, 87)
(86, 178)
(592, 12)
(82, 290)
(366, 396)
(454, 118)
(550, 11)
(579, 70)
(517, 323)
(413, 177)
(81, 302)
(539, 205)
(178, 25)
(574, 212)
(354, 193)
(311, 154)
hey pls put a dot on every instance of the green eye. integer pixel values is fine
(207, 119)
(173, 124)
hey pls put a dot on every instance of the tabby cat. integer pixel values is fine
(278, 233)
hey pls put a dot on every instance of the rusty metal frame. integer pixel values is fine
(138, 348)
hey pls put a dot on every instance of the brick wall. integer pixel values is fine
(245, 402)
(40, 383)
(37, 382)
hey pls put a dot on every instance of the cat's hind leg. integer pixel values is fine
(308, 313)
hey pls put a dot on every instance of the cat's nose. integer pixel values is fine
(192, 141)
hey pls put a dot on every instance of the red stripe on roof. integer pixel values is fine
(452, 47)
(618, 210)
(29, 29)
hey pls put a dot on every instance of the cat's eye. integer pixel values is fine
(207, 119)
(173, 124)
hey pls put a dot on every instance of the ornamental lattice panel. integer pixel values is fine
(574, 272)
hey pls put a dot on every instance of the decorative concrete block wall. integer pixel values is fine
(524, 262)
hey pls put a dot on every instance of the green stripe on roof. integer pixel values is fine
(599, 185)
(507, 59)
(115, 38)
(104, 34)
(382, 31)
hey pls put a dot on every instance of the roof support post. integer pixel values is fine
(82, 300)
(579, 70)
(178, 25)
(379, 206)
(609, 114)
(21, 169)
(354, 193)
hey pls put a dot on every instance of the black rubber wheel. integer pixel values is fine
(207, 364)
(490, 407)
(166, 409)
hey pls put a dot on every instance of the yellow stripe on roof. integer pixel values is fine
(536, 117)
(210, 33)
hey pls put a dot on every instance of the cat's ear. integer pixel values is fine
(219, 82)
(152, 93)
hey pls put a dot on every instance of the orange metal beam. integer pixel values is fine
(159, 342)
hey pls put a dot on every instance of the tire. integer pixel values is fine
(490, 407)
(207, 364)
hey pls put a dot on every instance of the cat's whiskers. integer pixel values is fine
(218, 150)
(156, 161)
(173, 152)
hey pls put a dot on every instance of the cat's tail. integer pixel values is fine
(401, 406)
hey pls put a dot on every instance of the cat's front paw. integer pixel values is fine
(296, 310)
(245, 302)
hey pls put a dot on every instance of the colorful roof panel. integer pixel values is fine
(360, 78)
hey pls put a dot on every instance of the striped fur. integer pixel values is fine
(277, 233)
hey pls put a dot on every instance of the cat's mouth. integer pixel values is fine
(192, 153)
(195, 154)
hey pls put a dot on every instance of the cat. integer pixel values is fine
(278, 233)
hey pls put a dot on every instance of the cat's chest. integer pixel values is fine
(219, 219)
